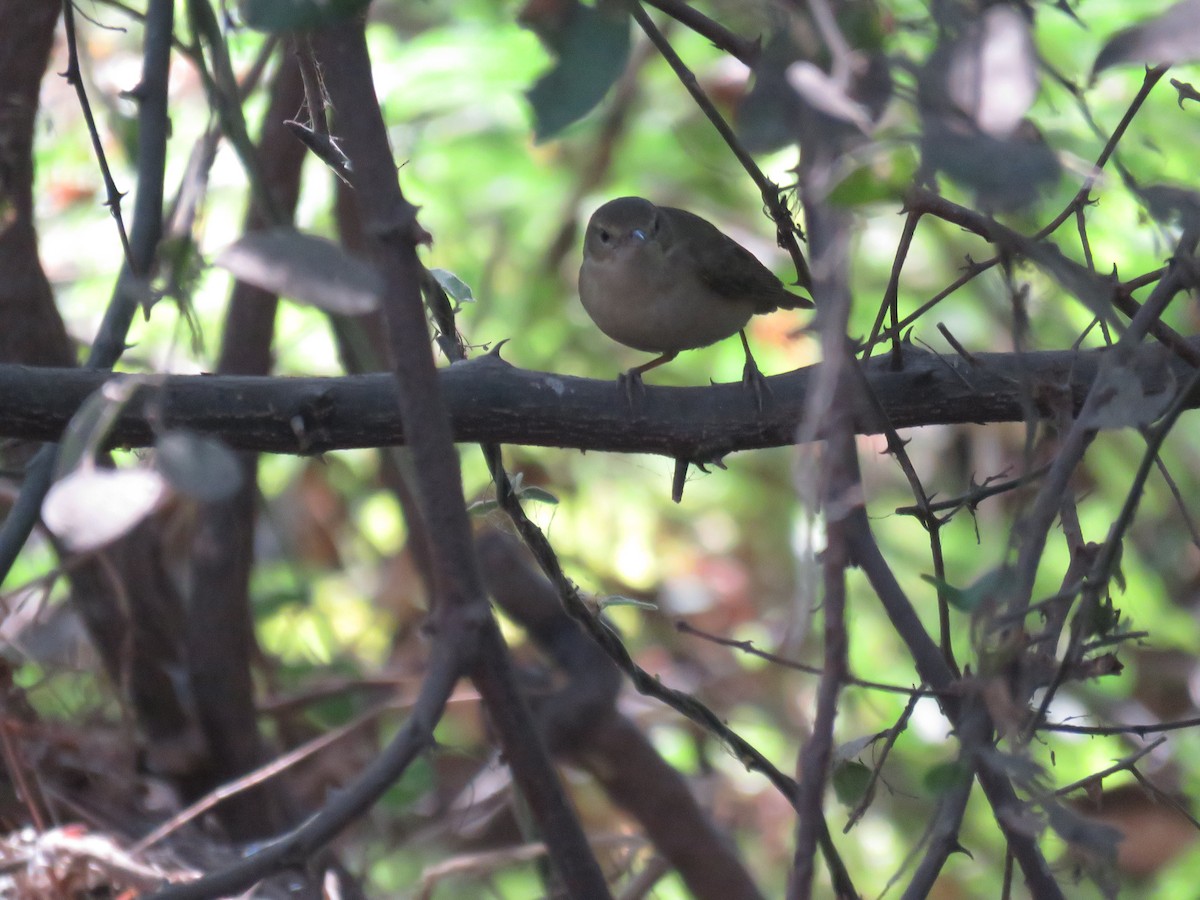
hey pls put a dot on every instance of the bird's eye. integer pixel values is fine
(605, 237)
(654, 224)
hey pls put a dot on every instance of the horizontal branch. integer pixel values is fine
(492, 401)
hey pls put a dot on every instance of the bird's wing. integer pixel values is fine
(733, 271)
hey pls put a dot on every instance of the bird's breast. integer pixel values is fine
(657, 308)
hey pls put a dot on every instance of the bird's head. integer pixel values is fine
(628, 228)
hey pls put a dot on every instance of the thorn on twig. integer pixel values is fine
(681, 469)
(958, 348)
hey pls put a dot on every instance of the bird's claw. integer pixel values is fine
(631, 385)
(754, 380)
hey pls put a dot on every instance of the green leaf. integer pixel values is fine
(298, 15)
(945, 776)
(592, 46)
(879, 183)
(456, 289)
(968, 599)
(539, 494)
(850, 781)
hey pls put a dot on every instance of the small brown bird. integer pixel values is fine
(664, 280)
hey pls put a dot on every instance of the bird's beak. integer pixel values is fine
(638, 233)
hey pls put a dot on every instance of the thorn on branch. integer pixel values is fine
(681, 468)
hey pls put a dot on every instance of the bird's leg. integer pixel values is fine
(631, 381)
(751, 377)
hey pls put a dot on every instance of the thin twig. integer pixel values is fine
(132, 281)
(749, 648)
(1151, 78)
(722, 38)
(74, 77)
(991, 487)
(1096, 777)
(893, 734)
(785, 226)
(1106, 559)
(1045, 507)
(975, 269)
(888, 307)
(258, 776)
(1112, 730)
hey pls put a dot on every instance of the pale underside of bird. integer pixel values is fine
(664, 280)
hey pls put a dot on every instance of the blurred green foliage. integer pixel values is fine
(737, 557)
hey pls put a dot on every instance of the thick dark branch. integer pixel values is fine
(459, 613)
(491, 401)
(581, 719)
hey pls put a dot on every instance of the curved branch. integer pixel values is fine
(295, 848)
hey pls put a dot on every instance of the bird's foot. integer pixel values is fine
(630, 384)
(754, 380)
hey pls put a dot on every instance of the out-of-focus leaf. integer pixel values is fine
(1096, 838)
(92, 507)
(794, 99)
(267, 603)
(1103, 618)
(85, 434)
(1118, 575)
(851, 749)
(539, 494)
(1017, 765)
(767, 118)
(306, 268)
(1166, 201)
(988, 74)
(482, 507)
(1006, 173)
(969, 599)
(824, 94)
(591, 44)
(850, 781)
(198, 465)
(1173, 37)
(886, 180)
(944, 776)
(532, 492)
(1185, 91)
(298, 15)
(1128, 398)
(973, 93)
